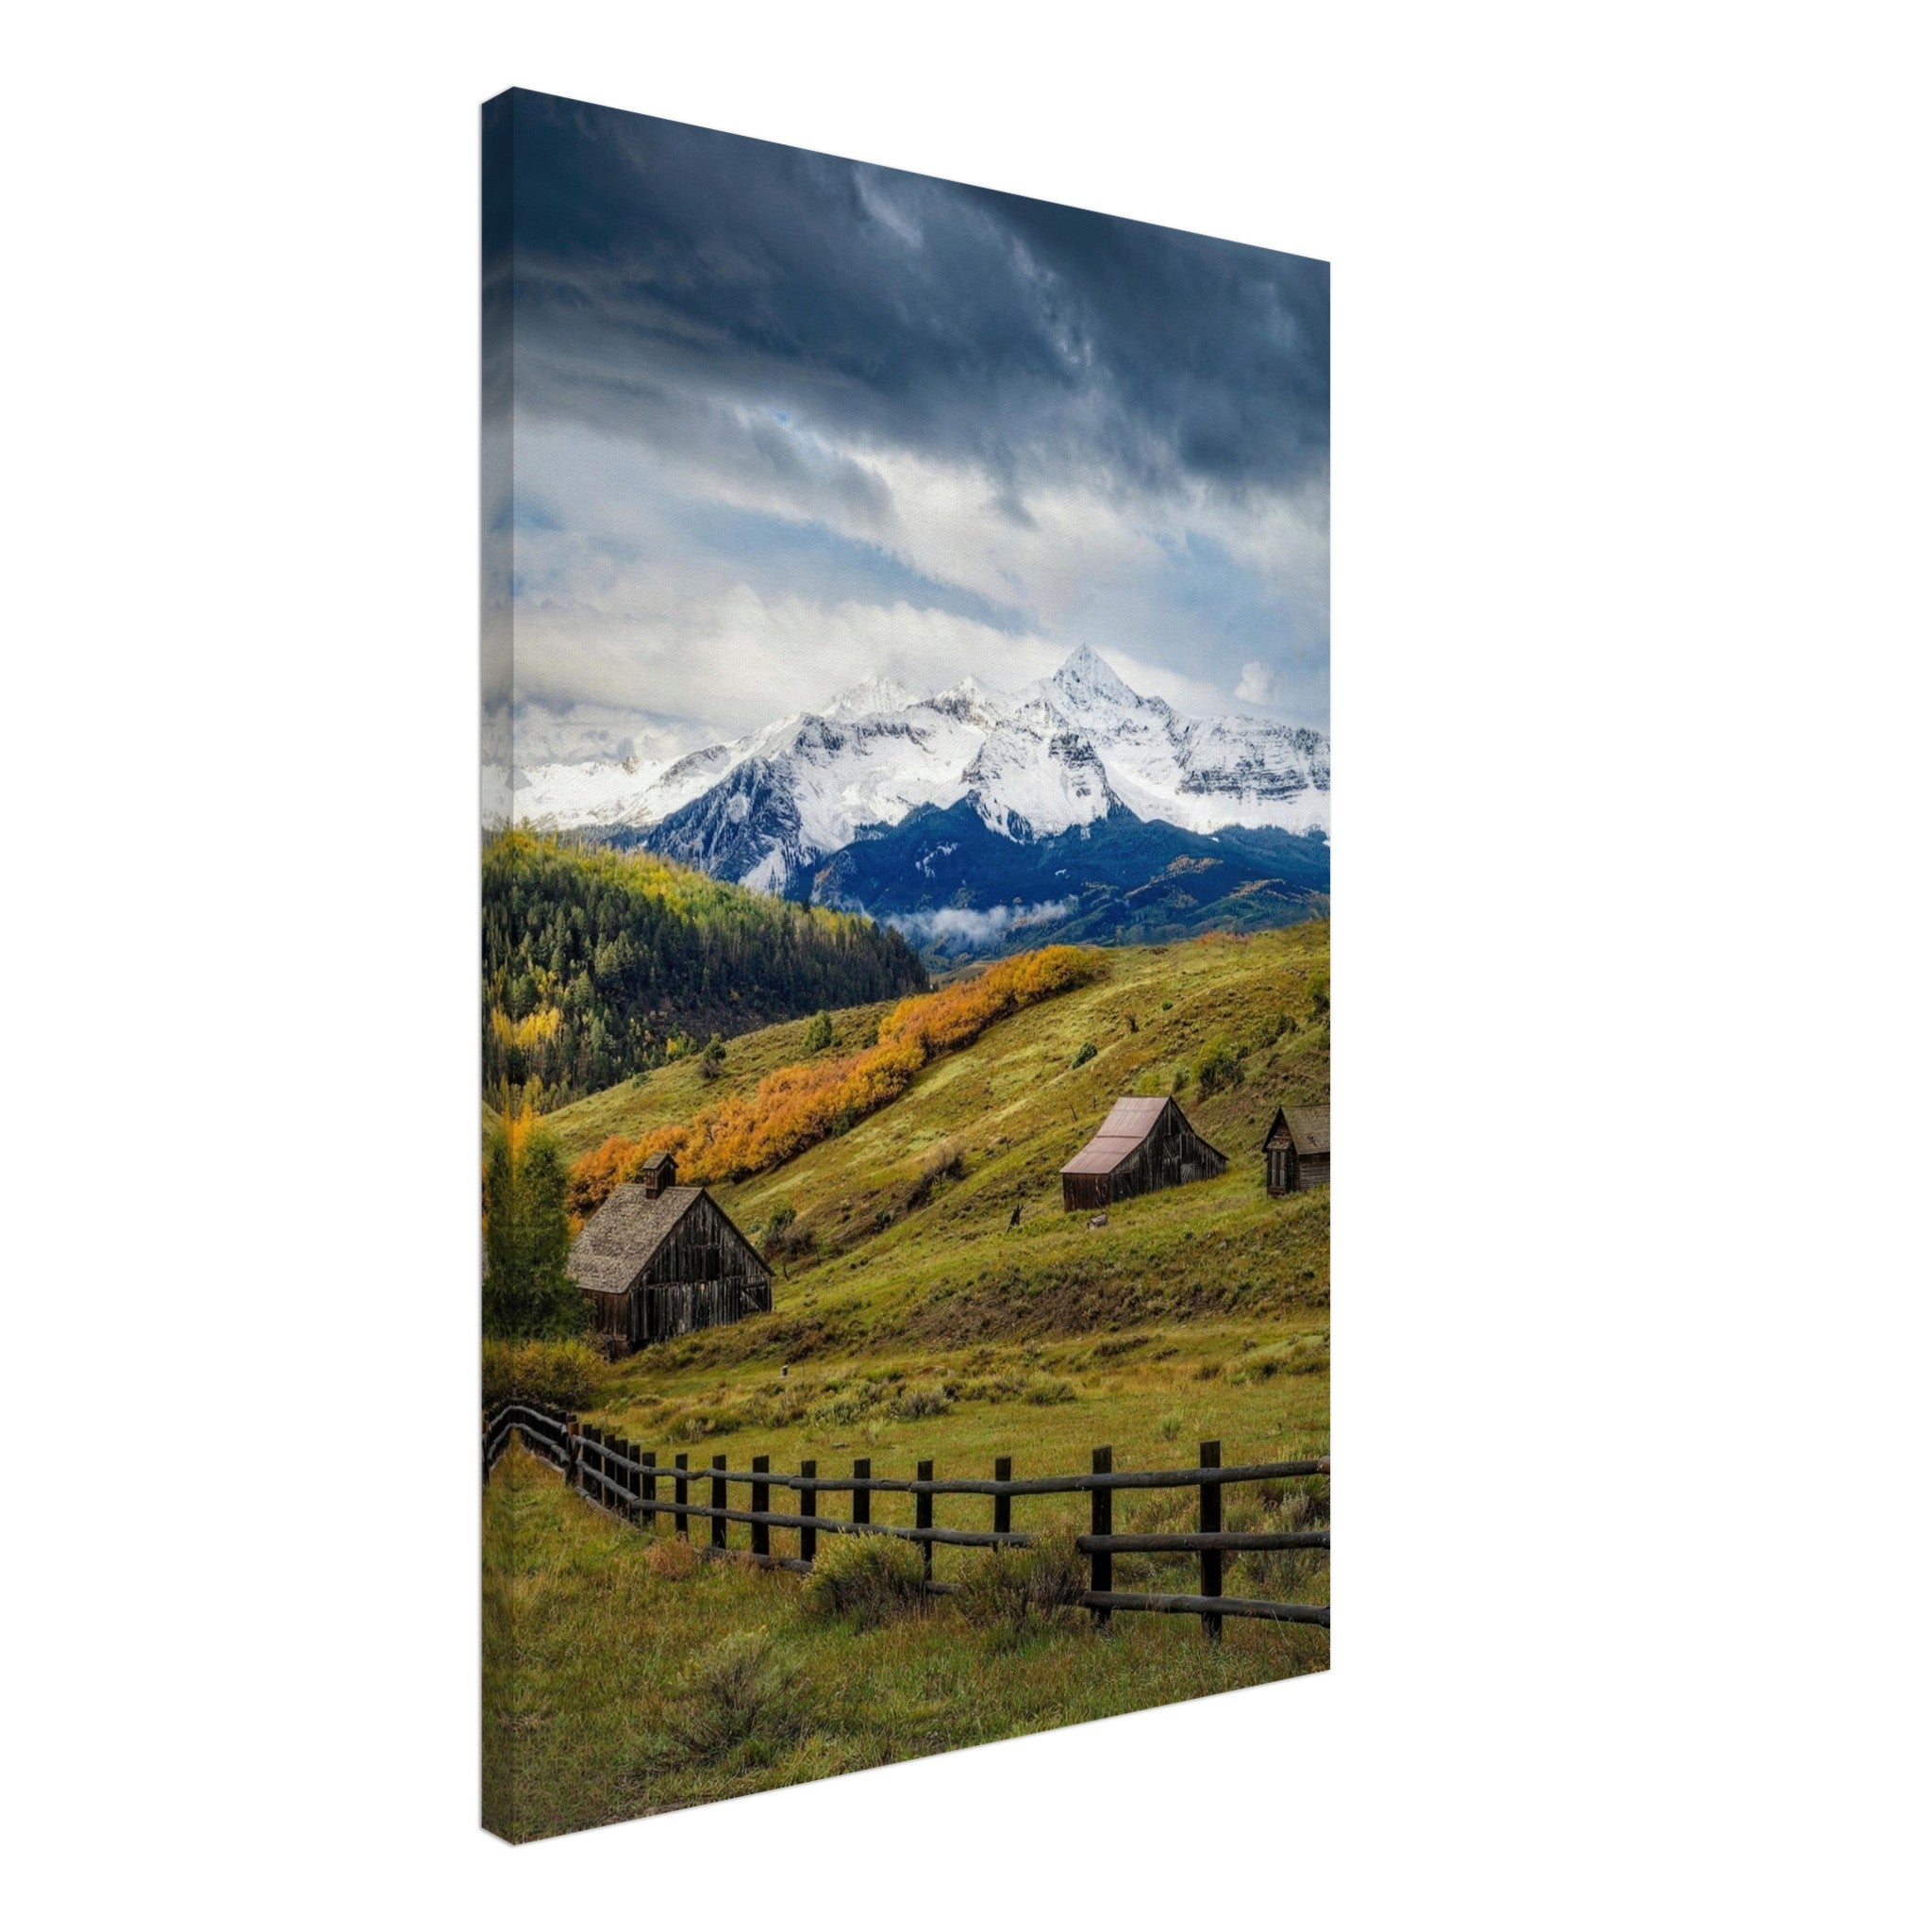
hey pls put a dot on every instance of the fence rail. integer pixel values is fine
(622, 1479)
(546, 1432)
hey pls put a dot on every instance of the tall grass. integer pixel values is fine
(614, 1691)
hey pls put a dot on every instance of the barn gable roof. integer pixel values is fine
(1126, 1128)
(1303, 1128)
(621, 1238)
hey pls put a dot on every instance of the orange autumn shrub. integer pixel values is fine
(799, 1105)
(595, 1174)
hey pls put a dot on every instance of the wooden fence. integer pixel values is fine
(626, 1480)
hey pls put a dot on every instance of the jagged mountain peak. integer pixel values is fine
(872, 695)
(967, 693)
(1086, 678)
(1055, 756)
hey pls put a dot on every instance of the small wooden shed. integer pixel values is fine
(1296, 1149)
(658, 1260)
(1141, 1145)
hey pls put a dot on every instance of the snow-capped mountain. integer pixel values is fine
(612, 792)
(1050, 759)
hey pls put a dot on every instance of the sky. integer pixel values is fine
(779, 421)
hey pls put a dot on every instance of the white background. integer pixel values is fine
(1630, 1254)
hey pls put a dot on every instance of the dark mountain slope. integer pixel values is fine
(956, 887)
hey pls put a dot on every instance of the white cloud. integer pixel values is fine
(1257, 685)
(955, 925)
(620, 607)
(574, 734)
(735, 660)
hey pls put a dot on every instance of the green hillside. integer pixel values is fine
(681, 1088)
(914, 1321)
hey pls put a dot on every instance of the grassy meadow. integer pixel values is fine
(929, 1326)
(914, 1320)
(625, 1675)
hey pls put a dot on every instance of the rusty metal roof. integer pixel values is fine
(1126, 1125)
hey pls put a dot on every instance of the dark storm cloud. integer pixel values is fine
(669, 279)
(815, 420)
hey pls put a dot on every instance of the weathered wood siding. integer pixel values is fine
(1084, 1191)
(1172, 1155)
(1290, 1173)
(677, 1307)
(705, 1275)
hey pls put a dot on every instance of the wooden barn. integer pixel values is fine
(1141, 1145)
(1296, 1149)
(658, 1260)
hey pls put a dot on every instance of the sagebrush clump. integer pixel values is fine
(915, 1404)
(870, 1579)
(739, 1696)
(1020, 1589)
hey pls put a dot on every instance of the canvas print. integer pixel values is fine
(905, 996)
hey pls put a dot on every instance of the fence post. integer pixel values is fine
(648, 1486)
(680, 1492)
(591, 1461)
(718, 1502)
(809, 1506)
(924, 1516)
(634, 1483)
(761, 1502)
(573, 1450)
(1002, 1505)
(861, 1499)
(1103, 1526)
(1211, 1522)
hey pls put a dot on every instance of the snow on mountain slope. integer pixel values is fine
(1036, 763)
(608, 791)
(873, 769)
(1034, 775)
(1197, 773)
(872, 697)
